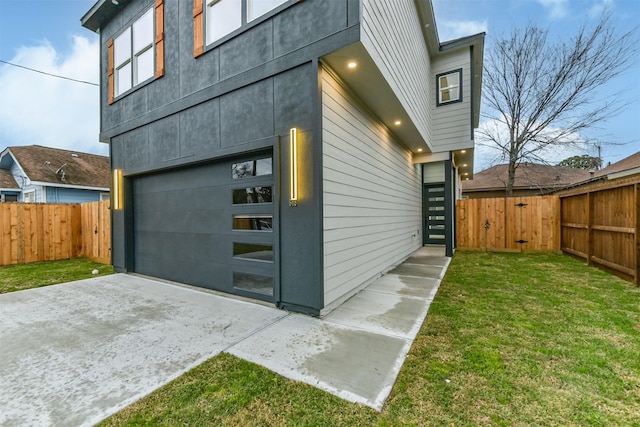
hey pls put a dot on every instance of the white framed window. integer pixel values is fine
(223, 17)
(133, 54)
(449, 87)
(29, 196)
(256, 8)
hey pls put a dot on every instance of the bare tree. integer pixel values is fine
(538, 94)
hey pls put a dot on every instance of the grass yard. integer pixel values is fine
(36, 274)
(534, 339)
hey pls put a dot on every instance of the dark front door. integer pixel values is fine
(434, 214)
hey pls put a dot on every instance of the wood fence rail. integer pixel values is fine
(513, 224)
(599, 224)
(32, 232)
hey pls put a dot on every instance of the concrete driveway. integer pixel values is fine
(75, 353)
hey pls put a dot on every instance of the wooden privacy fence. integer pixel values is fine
(512, 224)
(601, 226)
(32, 232)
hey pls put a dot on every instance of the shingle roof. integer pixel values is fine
(83, 169)
(631, 162)
(528, 176)
(7, 181)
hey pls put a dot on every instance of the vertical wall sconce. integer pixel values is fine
(116, 187)
(293, 166)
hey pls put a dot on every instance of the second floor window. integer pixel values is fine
(134, 54)
(449, 87)
(225, 16)
(256, 8)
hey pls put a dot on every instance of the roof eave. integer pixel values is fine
(101, 13)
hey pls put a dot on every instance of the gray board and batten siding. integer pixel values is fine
(177, 138)
(241, 96)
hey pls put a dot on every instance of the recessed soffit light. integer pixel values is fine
(352, 64)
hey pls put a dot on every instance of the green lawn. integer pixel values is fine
(36, 274)
(535, 339)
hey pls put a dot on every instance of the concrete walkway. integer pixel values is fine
(356, 351)
(75, 353)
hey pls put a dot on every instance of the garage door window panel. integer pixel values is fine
(252, 195)
(253, 283)
(252, 168)
(253, 252)
(262, 223)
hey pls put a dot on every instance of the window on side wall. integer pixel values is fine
(29, 196)
(223, 17)
(449, 87)
(256, 8)
(136, 55)
(133, 54)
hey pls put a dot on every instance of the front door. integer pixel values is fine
(434, 214)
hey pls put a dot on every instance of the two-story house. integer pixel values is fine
(37, 174)
(284, 150)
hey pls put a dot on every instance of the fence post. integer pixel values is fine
(637, 234)
(589, 226)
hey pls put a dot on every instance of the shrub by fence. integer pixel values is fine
(32, 232)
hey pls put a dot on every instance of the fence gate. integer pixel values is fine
(512, 224)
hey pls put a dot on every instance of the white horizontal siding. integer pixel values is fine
(433, 172)
(392, 35)
(452, 122)
(372, 204)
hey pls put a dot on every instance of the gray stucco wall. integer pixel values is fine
(234, 98)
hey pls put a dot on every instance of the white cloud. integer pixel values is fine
(557, 8)
(450, 30)
(45, 110)
(598, 8)
(487, 154)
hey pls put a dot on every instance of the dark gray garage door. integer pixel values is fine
(211, 226)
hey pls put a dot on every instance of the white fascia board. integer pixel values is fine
(8, 151)
(623, 174)
(431, 157)
(77, 187)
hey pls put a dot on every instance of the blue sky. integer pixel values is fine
(47, 35)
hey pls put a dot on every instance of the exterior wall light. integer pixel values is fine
(293, 166)
(116, 188)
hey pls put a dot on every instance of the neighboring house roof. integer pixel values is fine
(624, 168)
(7, 182)
(529, 176)
(629, 164)
(41, 163)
